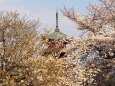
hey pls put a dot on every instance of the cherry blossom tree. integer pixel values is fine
(99, 25)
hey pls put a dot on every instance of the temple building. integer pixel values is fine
(57, 34)
(57, 42)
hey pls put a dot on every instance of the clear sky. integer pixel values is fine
(45, 10)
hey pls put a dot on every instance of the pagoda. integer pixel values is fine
(57, 42)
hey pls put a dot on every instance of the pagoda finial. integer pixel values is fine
(56, 19)
(57, 28)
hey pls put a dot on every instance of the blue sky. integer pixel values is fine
(45, 10)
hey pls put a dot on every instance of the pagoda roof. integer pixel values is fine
(57, 35)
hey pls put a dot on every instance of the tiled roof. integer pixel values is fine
(56, 35)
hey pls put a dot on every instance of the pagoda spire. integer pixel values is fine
(57, 28)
